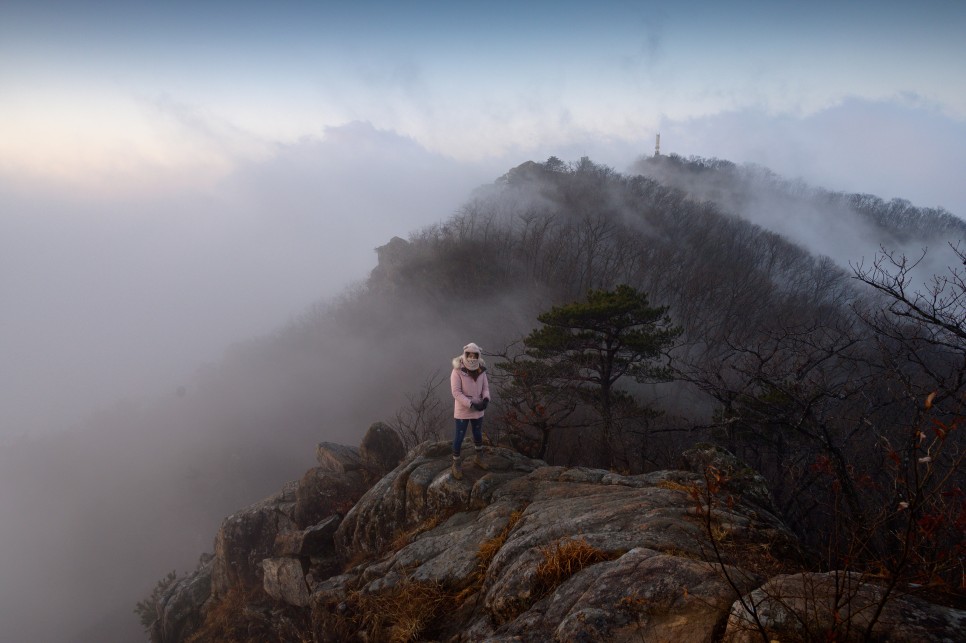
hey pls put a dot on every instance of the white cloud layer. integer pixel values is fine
(112, 297)
(176, 176)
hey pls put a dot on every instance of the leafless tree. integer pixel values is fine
(424, 417)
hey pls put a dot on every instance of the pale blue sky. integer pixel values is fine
(191, 88)
(176, 176)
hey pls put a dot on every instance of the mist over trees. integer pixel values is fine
(784, 357)
(842, 226)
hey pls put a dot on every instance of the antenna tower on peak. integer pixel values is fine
(657, 146)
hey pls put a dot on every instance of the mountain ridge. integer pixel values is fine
(543, 234)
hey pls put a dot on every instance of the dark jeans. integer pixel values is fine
(461, 433)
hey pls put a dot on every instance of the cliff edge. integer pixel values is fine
(378, 545)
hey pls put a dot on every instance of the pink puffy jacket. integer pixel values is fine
(466, 390)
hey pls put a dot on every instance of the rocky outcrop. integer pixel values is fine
(345, 473)
(321, 493)
(283, 542)
(311, 542)
(381, 451)
(736, 477)
(391, 258)
(521, 551)
(420, 489)
(181, 609)
(337, 458)
(642, 595)
(648, 548)
(838, 606)
(284, 580)
(247, 537)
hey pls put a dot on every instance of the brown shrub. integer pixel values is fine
(489, 548)
(402, 613)
(564, 558)
(399, 614)
(250, 616)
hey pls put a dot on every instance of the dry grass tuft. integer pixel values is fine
(675, 486)
(402, 613)
(563, 559)
(399, 614)
(489, 548)
(355, 560)
(251, 617)
(411, 610)
(720, 532)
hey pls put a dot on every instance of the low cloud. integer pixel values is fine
(106, 299)
(893, 149)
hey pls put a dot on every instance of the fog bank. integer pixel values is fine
(111, 298)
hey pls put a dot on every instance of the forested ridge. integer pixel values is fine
(785, 357)
(735, 187)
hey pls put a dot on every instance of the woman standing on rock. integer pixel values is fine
(471, 393)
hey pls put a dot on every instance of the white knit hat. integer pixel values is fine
(472, 348)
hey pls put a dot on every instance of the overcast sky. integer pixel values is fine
(176, 176)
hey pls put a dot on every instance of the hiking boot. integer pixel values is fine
(457, 468)
(478, 461)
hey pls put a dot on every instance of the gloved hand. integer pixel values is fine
(484, 403)
(477, 406)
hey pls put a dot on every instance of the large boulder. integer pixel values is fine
(322, 492)
(315, 541)
(337, 458)
(838, 606)
(650, 575)
(381, 450)
(247, 537)
(284, 580)
(419, 489)
(642, 595)
(301, 557)
(736, 477)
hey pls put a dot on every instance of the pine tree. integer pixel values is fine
(590, 345)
